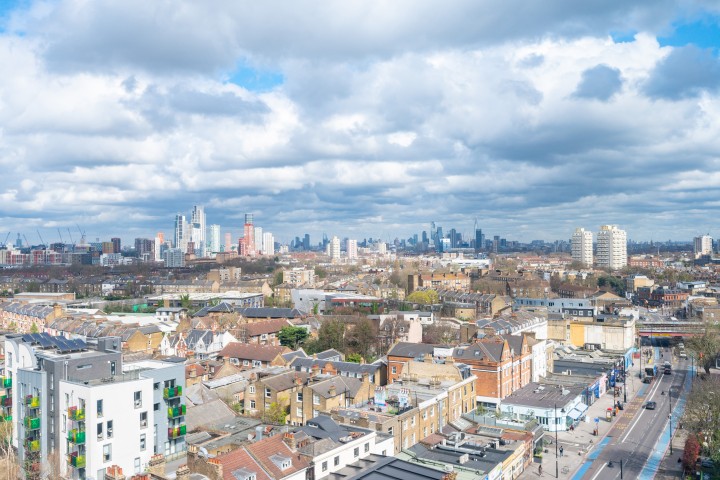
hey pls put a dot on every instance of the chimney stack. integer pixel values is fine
(114, 473)
(289, 439)
(182, 473)
(332, 391)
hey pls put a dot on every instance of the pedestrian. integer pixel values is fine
(561, 450)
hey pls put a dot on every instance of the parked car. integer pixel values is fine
(650, 405)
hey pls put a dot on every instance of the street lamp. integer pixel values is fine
(557, 465)
(611, 465)
(670, 416)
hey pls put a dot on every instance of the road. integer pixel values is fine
(634, 437)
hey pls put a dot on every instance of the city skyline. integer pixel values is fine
(359, 125)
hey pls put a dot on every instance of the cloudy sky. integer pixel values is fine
(360, 118)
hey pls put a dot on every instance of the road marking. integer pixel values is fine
(653, 391)
(598, 472)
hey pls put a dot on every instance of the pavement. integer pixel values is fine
(581, 448)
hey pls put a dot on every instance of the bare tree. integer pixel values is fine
(440, 333)
(7, 452)
(702, 415)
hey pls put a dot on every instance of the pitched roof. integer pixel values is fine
(284, 381)
(249, 351)
(341, 384)
(238, 459)
(488, 351)
(410, 350)
(264, 327)
(308, 363)
(267, 312)
(263, 450)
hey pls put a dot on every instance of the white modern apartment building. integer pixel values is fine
(268, 244)
(702, 245)
(334, 248)
(180, 238)
(582, 246)
(352, 251)
(78, 410)
(213, 243)
(611, 247)
(198, 230)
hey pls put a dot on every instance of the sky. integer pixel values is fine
(360, 118)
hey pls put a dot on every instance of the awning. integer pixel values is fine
(578, 411)
(574, 414)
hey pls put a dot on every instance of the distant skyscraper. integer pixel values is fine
(214, 238)
(180, 240)
(268, 244)
(259, 240)
(306, 242)
(702, 245)
(116, 244)
(198, 230)
(351, 248)
(611, 247)
(228, 242)
(174, 258)
(247, 246)
(478, 240)
(581, 245)
(334, 248)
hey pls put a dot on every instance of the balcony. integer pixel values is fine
(172, 392)
(32, 445)
(5, 418)
(76, 414)
(6, 401)
(176, 432)
(32, 423)
(76, 436)
(175, 412)
(32, 402)
(76, 460)
(5, 382)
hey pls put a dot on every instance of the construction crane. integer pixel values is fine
(70, 235)
(82, 235)
(60, 235)
(26, 241)
(41, 239)
(4, 244)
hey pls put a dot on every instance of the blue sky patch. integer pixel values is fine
(254, 79)
(703, 32)
(623, 37)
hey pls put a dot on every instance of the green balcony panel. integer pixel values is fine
(32, 402)
(6, 382)
(76, 436)
(32, 423)
(172, 392)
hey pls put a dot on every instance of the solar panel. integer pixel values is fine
(46, 340)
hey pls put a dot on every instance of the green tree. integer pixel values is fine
(332, 335)
(320, 272)
(277, 278)
(185, 301)
(291, 336)
(424, 297)
(275, 414)
(353, 357)
(705, 347)
(34, 328)
(362, 337)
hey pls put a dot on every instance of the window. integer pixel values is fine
(424, 414)
(432, 412)
(99, 408)
(324, 466)
(156, 407)
(336, 461)
(252, 389)
(257, 363)
(394, 369)
(356, 452)
(390, 430)
(142, 442)
(101, 473)
(107, 452)
(299, 396)
(316, 399)
(298, 412)
(246, 363)
(138, 399)
(143, 420)
(367, 447)
(156, 386)
(137, 465)
(404, 424)
(268, 394)
(100, 431)
(109, 428)
(252, 404)
(412, 421)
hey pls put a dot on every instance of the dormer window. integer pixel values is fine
(281, 461)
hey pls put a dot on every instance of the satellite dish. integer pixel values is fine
(203, 452)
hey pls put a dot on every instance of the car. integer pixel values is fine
(647, 380)
(652, 310)
(650, 405)
(683, 355)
